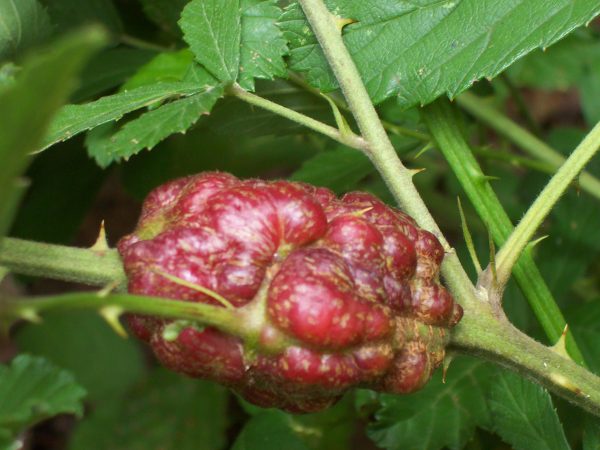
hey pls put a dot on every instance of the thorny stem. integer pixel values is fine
(537, 212)
(480, 314)
(522, 138)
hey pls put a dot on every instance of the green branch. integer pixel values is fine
(537, 212)
(80, 265)
(441, 119)
(349, 139)
(522, 138)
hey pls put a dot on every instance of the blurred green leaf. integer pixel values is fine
(104, 363)
(152, 127)
(269, 430)
(584, 321)
(441, 414)
(167, 67)
(165, 13)
(32, 390)
(167, 412)
(66, 14)
(419, 51)
(523, 414)
(73, 119)
(339, 169)
(591, 434)
(23, 23)
(8, 72)
(589, 92)
(108, 70)
(27, 106)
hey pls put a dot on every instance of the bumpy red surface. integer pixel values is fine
(352, 283)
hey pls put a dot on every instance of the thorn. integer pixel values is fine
(340, 120)
(413, 172)
(536, 242)
(196, 287)
(106, 290)
(426, 147)
(481, 178)
(561, 345)
(340, 22)
(560, 379)
(492, 257)
(447, 361)
(30, 315)
(101, 245)
(111, 314)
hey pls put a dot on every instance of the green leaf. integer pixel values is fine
(23, 23)
(339, 169)
(269, 430)
(442, 414)
(262, 43)
(73, 119)
(591, 434)
(152, 127)
(167, 412)
(27, 106)
(32, 390)
(164, 67)
(108, 70)
(584, 321)
(104, 363)
(236, 39)
(66, 14)
(421, 50)
(212, 28)
(165, 13)
(523, 414)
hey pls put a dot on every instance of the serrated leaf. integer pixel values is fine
(102, 362)
(262, 43)
(269, 430)
(236, 39)
(167, 412)
(67, 14)
(523, 414)
(23, 23)
(164, 67)
(420, 50)
(437, 416)
(73, 119)
(27, 106)
(152, 127)
(212, 28)
(32, 389)
(339, 169)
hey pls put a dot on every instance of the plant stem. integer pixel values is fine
(441, 119)
(495, 339)
(537, 212)
(135, 42)
(522, 138)
(379, 148)
(81, 265)
(222, 318)
(349, 139)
